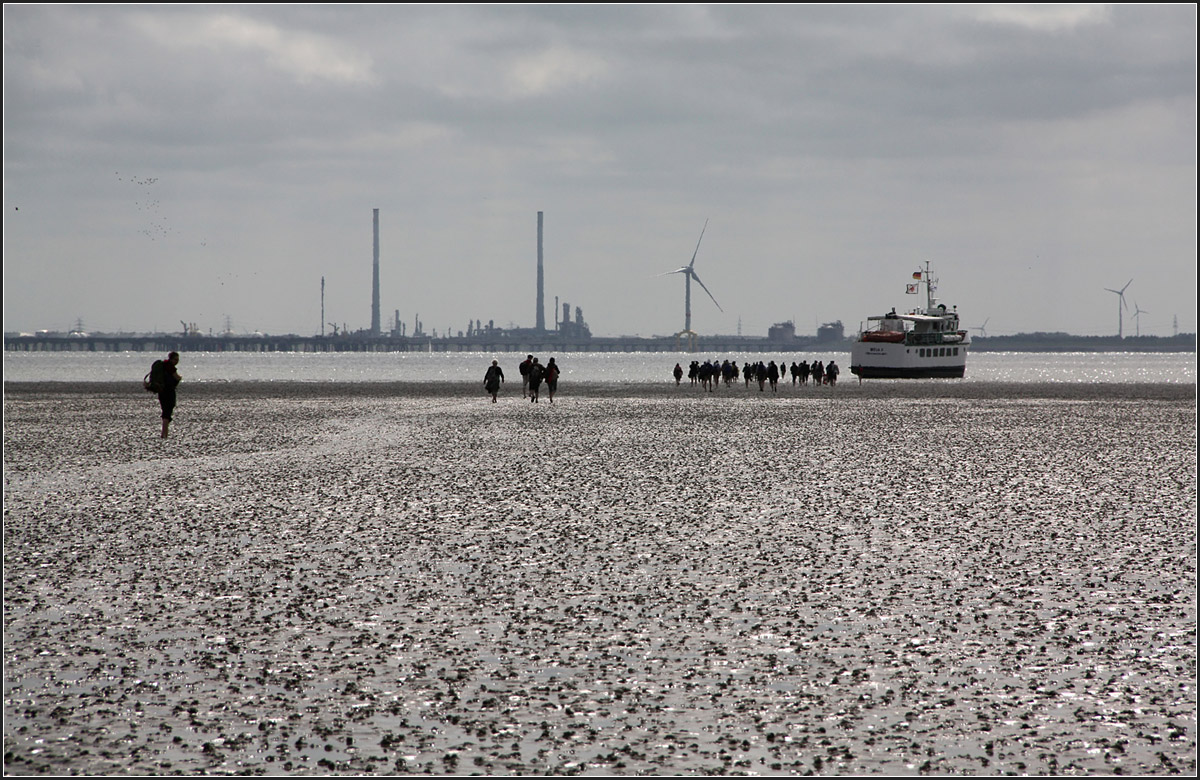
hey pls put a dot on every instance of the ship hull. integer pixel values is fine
(892, 372)
(875, 360)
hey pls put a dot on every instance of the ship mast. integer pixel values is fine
(929, 288)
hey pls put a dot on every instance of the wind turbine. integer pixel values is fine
(983, 328)
(689, 273)
(1137, 316)
(1121, 305)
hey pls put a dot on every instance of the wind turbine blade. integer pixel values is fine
(682, 270)
(710, 295)
(698, 248)
(1126, 287)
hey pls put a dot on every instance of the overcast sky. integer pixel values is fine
(212, 163)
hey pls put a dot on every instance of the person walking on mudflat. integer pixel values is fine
(536, 373)
(552, 378)
(524, 369)
(165, 378)
(493, 379)
(831, 373)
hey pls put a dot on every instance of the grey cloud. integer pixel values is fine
(839, 129)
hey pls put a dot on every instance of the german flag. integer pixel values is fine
(916, 274)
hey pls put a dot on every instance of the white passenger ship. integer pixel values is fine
(919, 345)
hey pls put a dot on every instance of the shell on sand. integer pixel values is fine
(343, 579)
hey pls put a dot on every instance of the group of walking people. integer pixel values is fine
(533, 374)
(712, 372)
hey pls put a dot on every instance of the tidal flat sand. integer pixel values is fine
(315, 579)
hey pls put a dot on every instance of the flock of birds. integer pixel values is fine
(155, 224)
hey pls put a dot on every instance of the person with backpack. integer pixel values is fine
(524, 369)
(831, 373)
(537, 372)
(493, 379)
(162, 379)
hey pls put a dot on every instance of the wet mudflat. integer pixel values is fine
(890, 578)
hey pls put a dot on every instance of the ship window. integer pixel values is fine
(922, 352)
(956, 350)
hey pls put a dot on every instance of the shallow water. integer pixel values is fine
(329, 583)
(640, 367)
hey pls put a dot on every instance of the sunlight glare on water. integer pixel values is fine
(619, 367)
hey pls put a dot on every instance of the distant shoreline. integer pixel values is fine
(552, 341)
(1062, 342)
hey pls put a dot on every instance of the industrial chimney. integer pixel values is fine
(375, 282)
(541, 314)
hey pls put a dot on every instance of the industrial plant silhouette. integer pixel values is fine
(569, 334)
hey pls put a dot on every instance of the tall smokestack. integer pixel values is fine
(541, 314)
(375, 282)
